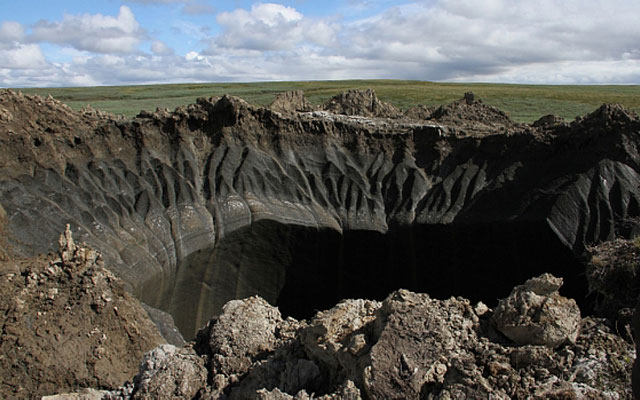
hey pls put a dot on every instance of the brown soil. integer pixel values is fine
(471, 116)
(36, 130)
(364, 103)
(291, 102)
(67, 323)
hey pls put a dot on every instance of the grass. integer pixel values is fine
(525, 103)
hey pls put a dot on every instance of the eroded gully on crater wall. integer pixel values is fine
(223, 200)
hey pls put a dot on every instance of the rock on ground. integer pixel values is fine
(536, 313)
(167, 372)
(409, 346)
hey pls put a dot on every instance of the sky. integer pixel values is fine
(46, 43)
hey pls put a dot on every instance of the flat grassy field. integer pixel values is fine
(524, 103)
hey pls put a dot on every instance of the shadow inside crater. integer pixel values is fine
(303, 270)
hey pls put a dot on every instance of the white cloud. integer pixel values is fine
(451, 39)
(11, 31)
(547, 41)
(93, 32)
(22, 57)
(193, 55)
(160, 48)
(269, 26)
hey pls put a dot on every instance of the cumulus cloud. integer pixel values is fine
(440, 40)
(160, 48)
(453, 39)
(92, 32)
(269, 26)
(547, 41)
(11, 31)
(22, 57)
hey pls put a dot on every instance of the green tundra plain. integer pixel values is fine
(524, 103)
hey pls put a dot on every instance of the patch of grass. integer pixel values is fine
(524, 103)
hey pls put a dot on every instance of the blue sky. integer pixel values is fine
(113, 42)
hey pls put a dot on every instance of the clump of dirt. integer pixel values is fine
(363, 103)
(548, 120)
(609, 118)
(67, 323)
(471, 115)
(613, 273)
(291, 101)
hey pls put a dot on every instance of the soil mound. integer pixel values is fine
(548, 121)
(419, 112)
(291, 102)
(67, 323)
(608, 115)
(471, 116)
(470, 109)
(363, 103)
(37, 130)
(20, 113)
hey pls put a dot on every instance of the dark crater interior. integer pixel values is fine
(303, 270)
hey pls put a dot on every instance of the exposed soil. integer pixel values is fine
(67, 323)
(364, 103)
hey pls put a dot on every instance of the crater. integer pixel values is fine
(222, 200)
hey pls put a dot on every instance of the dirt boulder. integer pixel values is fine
(535, 313)
(418, 340)
(169, 372)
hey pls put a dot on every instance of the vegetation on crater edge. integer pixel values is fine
(524, 103)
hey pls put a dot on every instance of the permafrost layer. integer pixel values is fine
(210, 202)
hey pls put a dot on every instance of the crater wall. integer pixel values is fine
(221, 199)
